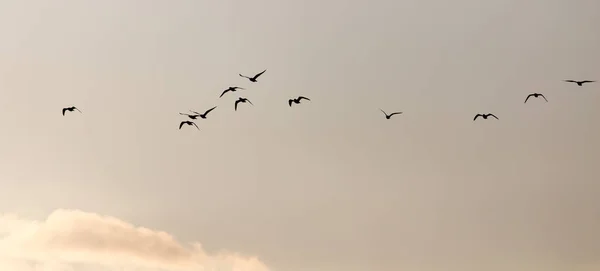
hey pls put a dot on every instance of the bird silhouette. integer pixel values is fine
(188, 123)
(253, 79)
(484, 116)
(535, 95)
(297, 100)
(241, 100)
(232, 89)
(390, 115)
(70, 109)
(205, 113)
(579, 83)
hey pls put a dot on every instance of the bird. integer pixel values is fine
(484, 116)
(390, 115)
(297, 100)
(203, 115)
(535, 95)
(579, 83)
(70, 109)
(253, 79)
(232, 89)
(188, 123)
(241, 100)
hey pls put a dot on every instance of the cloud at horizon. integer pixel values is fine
(68, 238)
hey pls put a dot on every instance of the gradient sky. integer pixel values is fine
(328, 185)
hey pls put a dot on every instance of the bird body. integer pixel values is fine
(187, 122)
(70, 109)
(390, 115)
(484, 116)
(232, 89)
(297, 100)
(241, 100)
(253, 79)
(535, 95)
(579, 83)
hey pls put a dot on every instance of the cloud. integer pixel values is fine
(91, 241)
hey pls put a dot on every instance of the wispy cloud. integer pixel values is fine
(72, 237)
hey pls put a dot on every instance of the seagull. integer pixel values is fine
(188, 123)
(535, 95)
(484, 116)
(297, 100)
(390, 115)
(232, 89)
(70, 109)
(202, 115)
(241, 100)
(253, 79)
(579, 83)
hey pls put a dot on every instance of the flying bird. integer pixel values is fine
(70, 109)
(241, 100)
(188, 123)
(232, 89)
(579, 83)
(297, 100)
(535, 95)
(205, 113)
(484, 116)
(253, 79)
(390, 115)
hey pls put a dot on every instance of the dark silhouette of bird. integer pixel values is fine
(232, 89)
(535, 95)
(70, 109)
(241, 100)
(253, 79)
(205, 113)
(484, 116)
(390, 115)
(188, 123)
(297, 100)
(579, 83)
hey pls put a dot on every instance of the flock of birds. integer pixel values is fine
(195, 115)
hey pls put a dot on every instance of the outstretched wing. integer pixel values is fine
(383, 112)
(493, 116)
(395, 113)
(238, 88)
(586, 81)
(208, 111)
(570, 81)
(244, 76)
(181, 124)
(544, 97)
(290, 102)
(193, 123)
(528, 97)
(195, 112)
(302, 97)
(249, 102)
(183, 114)
(476, 116)
(227, 90)
(256, 76)
(77, 109)
(236, 103)
(63, 111)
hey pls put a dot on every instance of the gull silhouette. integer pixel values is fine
(205, 113)
(535, 95)
(70, 109)
(390, 115)
(484, 116)
(579, 83)
(297, 100)
(232, 89)
(253, 79)
(188, 123)
(241, 100)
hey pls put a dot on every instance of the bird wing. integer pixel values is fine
(236, 103)
(77, 109)
(249, 102)
(193, 123)
(302, 97)
(493, 116)
(395, 113)
(184, 114)
(224, 92)
(528, 97)
(383, 112)
(570, 81)
(587, 81)
(256, 76)
(195, 112)
(63, 111)
(238, 88)
(290, 101)
(544, 97)
(476, 116)
(244, 76)
(181, 124)
(208, 111)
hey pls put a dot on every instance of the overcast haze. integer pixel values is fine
(327, 185)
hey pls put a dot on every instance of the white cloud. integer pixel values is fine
(69, 238)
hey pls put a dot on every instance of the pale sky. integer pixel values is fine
(328, 185)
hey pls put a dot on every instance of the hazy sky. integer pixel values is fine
(329, 185)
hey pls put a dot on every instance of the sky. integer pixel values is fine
(326, 185)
